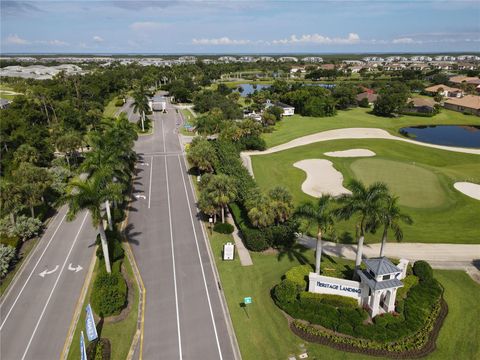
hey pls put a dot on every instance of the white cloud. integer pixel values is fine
(52, 42)
(16, 40)
(405, 40)
(220, 41)
(352, 38)
(146, 26)
(98, 39)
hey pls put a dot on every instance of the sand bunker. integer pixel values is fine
(322, 178)
(351, 153)
(469, 189)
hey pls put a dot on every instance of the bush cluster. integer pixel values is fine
(109, 294)
(343, 315)
(223, 228)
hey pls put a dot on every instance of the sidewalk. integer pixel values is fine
(242, 251)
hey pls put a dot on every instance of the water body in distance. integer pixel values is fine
(451, 135)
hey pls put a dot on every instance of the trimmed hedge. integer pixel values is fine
(223, 228)
(413, 313)
(299, 275)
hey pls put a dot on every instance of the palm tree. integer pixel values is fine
(222, 190)
(90, 194)
(281, 203)
(260, 213)
(321, 213)
(140, 104)
(365, 203)
(390, 217)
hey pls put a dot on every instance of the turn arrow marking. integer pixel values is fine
(76, 269)
(45, 272)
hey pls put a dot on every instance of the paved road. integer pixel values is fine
(184, 317)
(127, 108)
(36, 311)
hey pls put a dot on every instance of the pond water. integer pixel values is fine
(452, 135)
(250, 88)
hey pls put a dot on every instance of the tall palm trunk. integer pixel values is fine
(104, 242)
(143, 121)
(223, 214)
(358, 258)
(12, 218)
(384, 240)
(109, 215)
(32, 211)
(318, 252)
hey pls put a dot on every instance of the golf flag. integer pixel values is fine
(83, 352)
(90, 324)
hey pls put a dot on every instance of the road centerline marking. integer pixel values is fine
(32, 272)
(200, 260)
(54, 286)
(179, 335)
(150, 182)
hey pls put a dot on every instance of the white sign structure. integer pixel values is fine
(228, 251)
(334, 286)
(376, 290)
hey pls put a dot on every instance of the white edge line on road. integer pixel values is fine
(54, 286)
(200, 259)
(24, 265)
(173, 254)
(150, 182)
(31, 273)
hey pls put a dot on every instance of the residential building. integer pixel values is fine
(227, 59)
(445, 90)
(367, 95)
(312, 59)
(467, 104)
(4, 103)
(464, 79)
(288, 59)
(420, 105)
(288, 110)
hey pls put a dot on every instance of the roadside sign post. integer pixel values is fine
(210, 222)
(246, 301)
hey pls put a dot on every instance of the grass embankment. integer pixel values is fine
(120, 333)
(422, 177)
(111, 109)
(188, 120)
(262, 331)
(7, 92)
(290, 128)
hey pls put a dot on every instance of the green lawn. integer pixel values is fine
(120, 334)
(188, 117)
(296, 126)
(7, 92)
(262, 330)
(422, 177)
(110, 109)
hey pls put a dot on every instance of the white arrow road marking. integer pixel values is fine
(45, 272)
(76, 269)
(140, 196)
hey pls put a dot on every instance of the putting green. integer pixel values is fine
(416, 186)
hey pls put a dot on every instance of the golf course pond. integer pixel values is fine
(451, 135)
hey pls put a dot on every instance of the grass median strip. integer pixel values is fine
(119, 333)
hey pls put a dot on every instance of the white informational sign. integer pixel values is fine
(329, 285)
(228, 251)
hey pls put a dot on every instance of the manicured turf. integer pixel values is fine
(441, 213)
(120, 334)
(296, 126)
(110, 109)
(262, 331)
(416, 186)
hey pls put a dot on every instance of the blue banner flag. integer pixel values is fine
(90, 324)
(83, 351)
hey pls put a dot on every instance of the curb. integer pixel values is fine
(78, 307)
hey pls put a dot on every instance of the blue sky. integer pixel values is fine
(240, 26)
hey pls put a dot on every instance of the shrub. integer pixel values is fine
(286, 291)
(119, 102)
(109, 294)
(223, 228)
(423, 270)
(254, 239)
(253, 143)
(299, 275)
(115, 248)
(12, 240)
(7, 254)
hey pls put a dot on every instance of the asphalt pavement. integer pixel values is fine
(36, 311)
(184, 315)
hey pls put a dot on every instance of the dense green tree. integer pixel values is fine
(201, 154)
(281, 201)
(392, 98)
